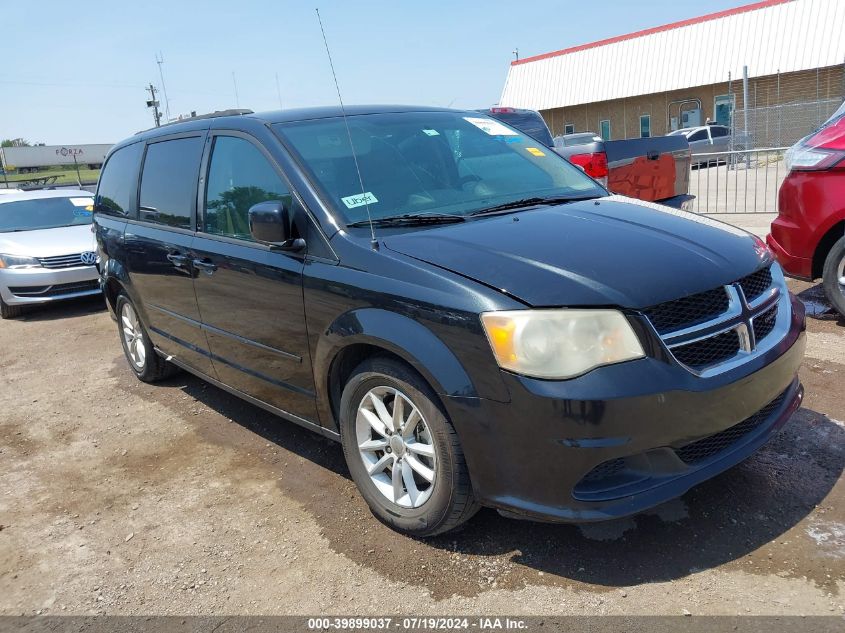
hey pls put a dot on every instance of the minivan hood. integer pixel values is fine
(64, 240)
(611, 251)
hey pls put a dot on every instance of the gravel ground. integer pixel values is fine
(125, 498)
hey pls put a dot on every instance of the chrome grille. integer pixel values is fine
(756, 284)
(62, 261)
(719, 327)
(709, 351)
(765, 323)
(687, 311)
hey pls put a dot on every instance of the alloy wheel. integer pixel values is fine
(133, 337)
(396, 446)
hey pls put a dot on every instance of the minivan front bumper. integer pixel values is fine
(623, 438)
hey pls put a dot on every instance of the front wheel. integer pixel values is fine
(833, 276)
(9, 312)
(402, 452)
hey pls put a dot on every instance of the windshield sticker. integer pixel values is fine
(490, 126)
(82, 202)
(431, 132)
(359, 200)
(82, 213)
(534, 151)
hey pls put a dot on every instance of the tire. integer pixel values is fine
(833, 271)
(9, 312)
(144, 361)
(440, 506)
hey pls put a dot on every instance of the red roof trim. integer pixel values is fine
(656, 29)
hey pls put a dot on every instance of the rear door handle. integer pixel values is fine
(177, 259)
(205, 265)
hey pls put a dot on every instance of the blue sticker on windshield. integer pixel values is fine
(81, 213)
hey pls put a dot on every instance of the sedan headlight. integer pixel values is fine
(559, 343)
(14, 261)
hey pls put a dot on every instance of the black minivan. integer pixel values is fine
(477, 321)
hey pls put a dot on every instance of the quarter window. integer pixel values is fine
(239, 176)
(118, 180)
(169, 181)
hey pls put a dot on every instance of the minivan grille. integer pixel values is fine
(681, 313)
(709, 351)
(685, 323)
(62, 261)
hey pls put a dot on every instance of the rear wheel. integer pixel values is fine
(402, 452)
(9, 312)
(143, 359)
(833, 276)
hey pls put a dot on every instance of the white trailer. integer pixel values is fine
(26, 159)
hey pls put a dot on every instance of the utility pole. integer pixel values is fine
(160, 61)
(153, 103)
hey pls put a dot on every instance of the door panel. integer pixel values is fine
(252, 309)
(165, 285)
(158, 249)
(249, 297)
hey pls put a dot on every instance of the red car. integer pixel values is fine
(808, 235)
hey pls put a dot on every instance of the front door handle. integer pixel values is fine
(205, 265)
(177, 259)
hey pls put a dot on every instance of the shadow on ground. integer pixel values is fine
(63, 309)
(722, 521)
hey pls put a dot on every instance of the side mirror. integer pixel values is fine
(269, 223)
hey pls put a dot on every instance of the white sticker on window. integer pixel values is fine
(82, 202)
(491, 126)
(359, 200)
(431, 132)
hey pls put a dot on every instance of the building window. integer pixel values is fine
(723, 109)
(604, 129)
(645, 126)
(569, 128)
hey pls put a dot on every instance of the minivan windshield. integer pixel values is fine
(44, 213)
(426, 163)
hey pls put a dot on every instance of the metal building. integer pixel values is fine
(684, 73)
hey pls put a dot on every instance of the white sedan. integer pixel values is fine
(47, 250)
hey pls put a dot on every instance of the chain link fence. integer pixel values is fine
(779, 125)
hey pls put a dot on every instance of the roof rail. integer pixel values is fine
(210, 115)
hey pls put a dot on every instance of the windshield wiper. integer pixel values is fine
(523, 203)
(412, 219)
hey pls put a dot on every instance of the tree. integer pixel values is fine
(14, 142)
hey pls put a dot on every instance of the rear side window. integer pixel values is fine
(117, 182)
(239, 176)
(717, 132)
(169, 181)
(701, 135)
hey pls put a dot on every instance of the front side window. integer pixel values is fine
(700, 135)
(415, 163)
(45, 213)
(239, 176)
(118, 180)
(645, 126)
(169, 181)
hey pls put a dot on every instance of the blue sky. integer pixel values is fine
(75, 72)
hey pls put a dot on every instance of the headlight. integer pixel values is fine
(13, 261)
(559, 343)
